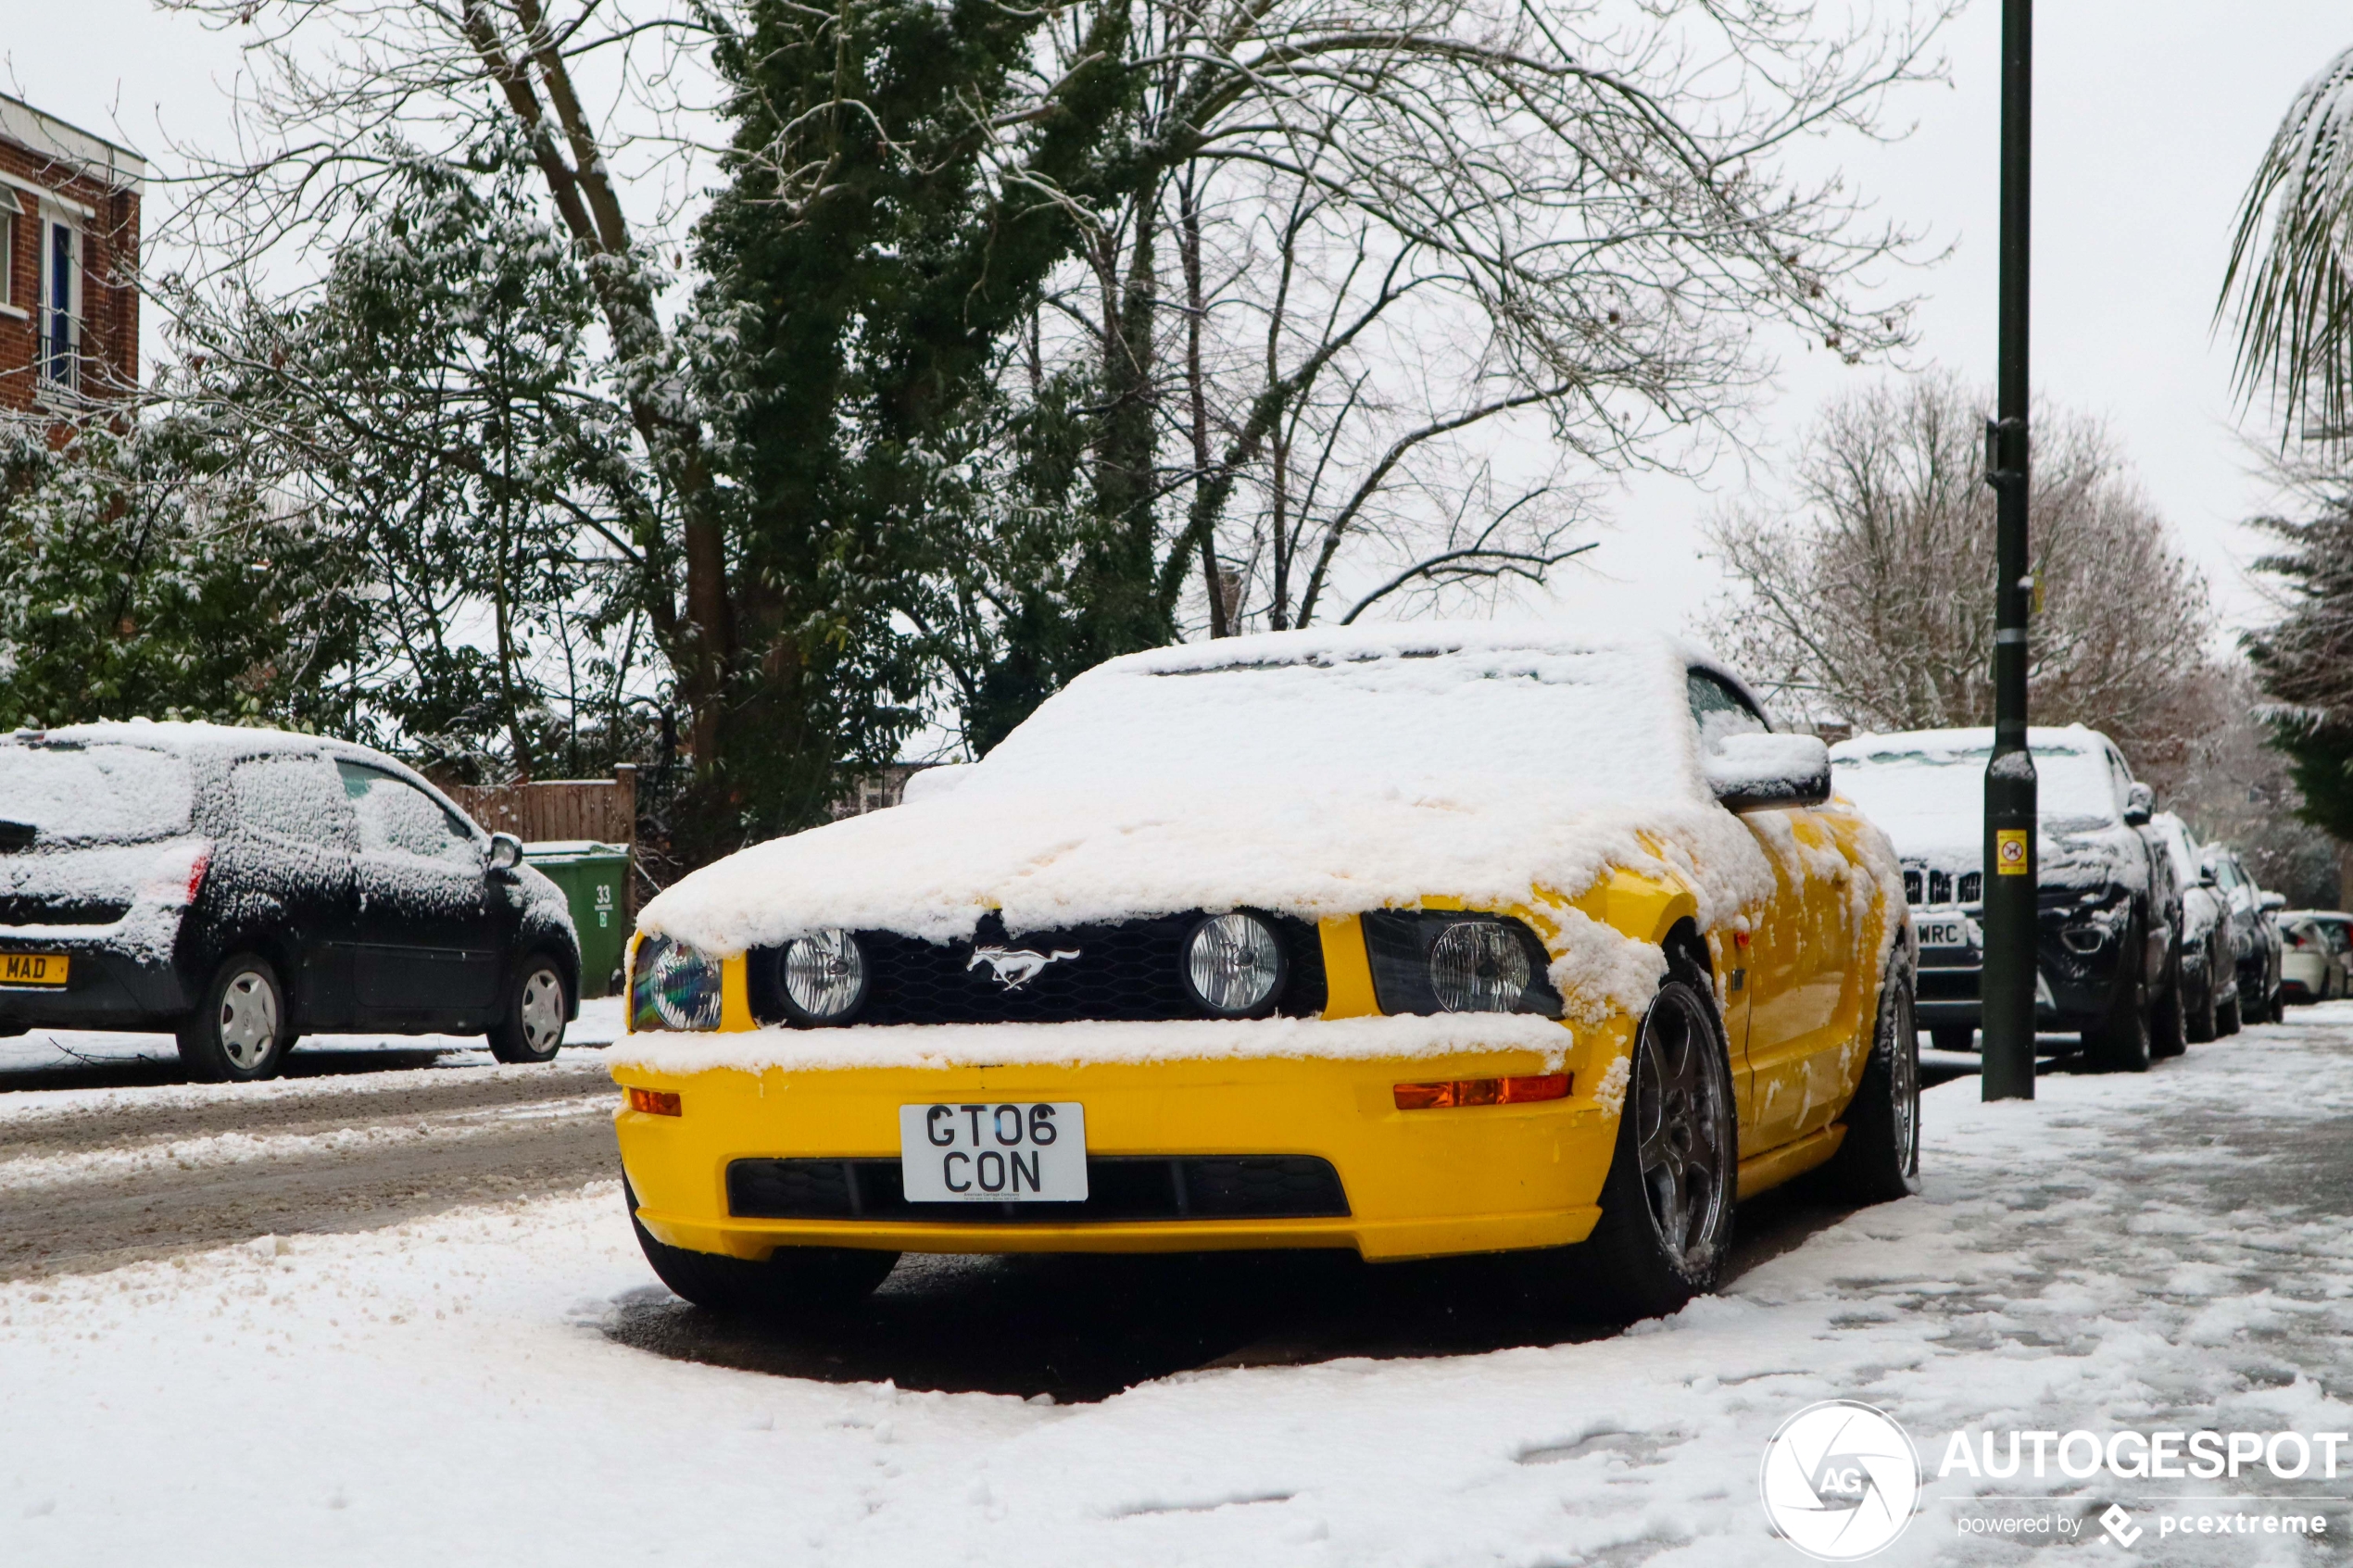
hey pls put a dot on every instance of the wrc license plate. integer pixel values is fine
(34, 968)
(1946, 931)
(1004, 1152)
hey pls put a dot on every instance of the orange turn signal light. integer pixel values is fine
(653, 1102)
(1482, 1091)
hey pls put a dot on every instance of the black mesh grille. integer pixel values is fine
(1128, 972)
(1241, 1187)
(1911, 885)
(1972, 887)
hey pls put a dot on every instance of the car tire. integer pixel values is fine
(2120, 1043)
(2226, 1018)
(531, 1024)
(241, 1029)
(1952, 1037)
(2168, 1029)
(1652, 1251)
(2198, 1022)
(795, 1282)
(1879, 1158)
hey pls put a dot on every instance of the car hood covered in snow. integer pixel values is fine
(1315, 774)
(1926, 790)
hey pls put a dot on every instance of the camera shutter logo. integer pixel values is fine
(1840, 1480)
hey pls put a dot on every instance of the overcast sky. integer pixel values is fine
(2148, 120)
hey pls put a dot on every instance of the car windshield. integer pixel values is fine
(93, 794)
(1605, 723)
(1941, 786)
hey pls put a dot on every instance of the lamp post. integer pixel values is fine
(2007, 988)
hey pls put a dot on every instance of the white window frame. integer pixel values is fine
(11, 209)
(54, 218)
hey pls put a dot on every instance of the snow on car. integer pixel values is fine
(1415, 941)
(2109, 907)
(242, 887)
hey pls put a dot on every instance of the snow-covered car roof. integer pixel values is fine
(1926, 788)
(1315, 773)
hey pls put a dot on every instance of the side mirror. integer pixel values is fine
(2205, 878)
(2140, 805)
(1765, 772)
(506, 851)
(2272, 901)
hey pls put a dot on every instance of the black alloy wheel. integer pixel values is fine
(1879, 1158)
(1666, 1206)
(2169, 1021)
(241, 1029)
(2121, 1042)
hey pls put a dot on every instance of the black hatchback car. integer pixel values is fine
(242, 887)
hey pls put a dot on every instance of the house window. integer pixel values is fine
(10, 207)
(61, 303)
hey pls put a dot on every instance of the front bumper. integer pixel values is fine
(107, 987)
(1417, 1184)
(2072, 990)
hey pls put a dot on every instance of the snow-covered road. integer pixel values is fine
(2170, 1249)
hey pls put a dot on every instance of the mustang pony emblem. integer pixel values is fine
(1017, 967)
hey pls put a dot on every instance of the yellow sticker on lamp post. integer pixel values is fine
(2009, 851)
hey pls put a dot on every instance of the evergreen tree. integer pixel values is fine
(2305, 660)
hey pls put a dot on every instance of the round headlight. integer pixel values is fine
(1234, 965)
(1479, 966)
(677, 987)
(824, 976)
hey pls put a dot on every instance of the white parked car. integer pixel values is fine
(2316, 964)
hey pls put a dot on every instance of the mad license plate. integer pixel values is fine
(32, 969)
(1945, 931)
(1030, 1152)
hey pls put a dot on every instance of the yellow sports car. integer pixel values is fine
(1417, 940)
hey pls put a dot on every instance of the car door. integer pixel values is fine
(1797, 952)
(428, 951)
(294, 844)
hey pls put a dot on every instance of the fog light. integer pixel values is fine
(1520, 1090)
(824, 976)
(1234, 965)
(653, 1102)
(2084, 939)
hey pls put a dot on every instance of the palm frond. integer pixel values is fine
(2290, 279)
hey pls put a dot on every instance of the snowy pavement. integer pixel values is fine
(2163, 1250)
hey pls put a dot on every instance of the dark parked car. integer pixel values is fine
(2209, 954)
(2108, 938)
(242, 887)
(2254, 937)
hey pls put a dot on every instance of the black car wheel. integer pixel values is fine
(2168, 1021)
(795, 1280)
(1666, 1206)
(2120, 1043)
(531, 1027)
(2198, 1022)
(239, 1032)
(2226, 1018)
(1880, 1160)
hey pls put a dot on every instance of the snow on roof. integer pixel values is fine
(179, 736)
(1958, 744)
(1316, 773)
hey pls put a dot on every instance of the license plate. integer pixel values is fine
(1030, 1152)
(32, 969)
(1945, 931)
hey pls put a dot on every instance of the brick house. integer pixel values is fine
(69, 247)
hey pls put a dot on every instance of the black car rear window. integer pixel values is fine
(94, 794)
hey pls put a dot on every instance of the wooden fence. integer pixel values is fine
(602, 809)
